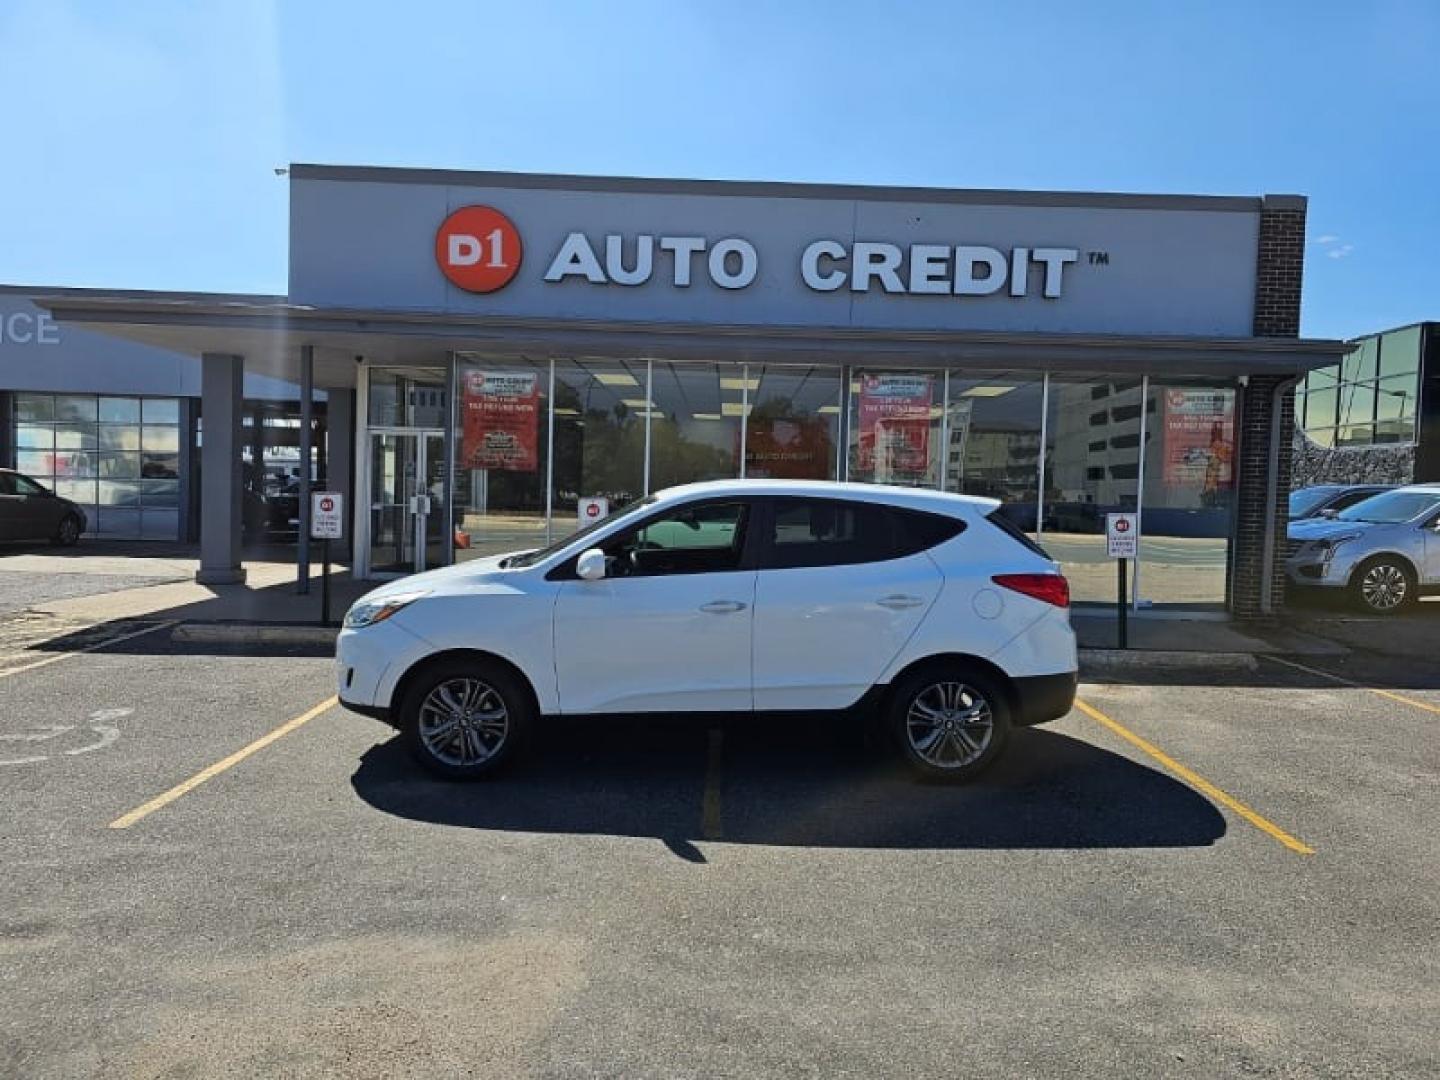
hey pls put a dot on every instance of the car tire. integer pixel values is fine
(466, 719)
(949, 723)
(1383, 585)
(67, 533)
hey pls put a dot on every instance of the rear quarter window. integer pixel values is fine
(917, 531)
(1010, 529)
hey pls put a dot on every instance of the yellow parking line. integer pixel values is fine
(1197, 781)
(87, 649)
(166, 798)
(1351, 682)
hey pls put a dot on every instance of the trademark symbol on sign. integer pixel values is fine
(1098, 258)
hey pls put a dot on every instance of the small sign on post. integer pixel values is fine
(593, 509)
(1122, 543)
(327, 522)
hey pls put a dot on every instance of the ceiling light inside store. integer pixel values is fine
(987, 391)
(567, 412)
(828, 409)
(638, 403)
(616, 378)
(734, 408)
(739, 384)
(706, 416)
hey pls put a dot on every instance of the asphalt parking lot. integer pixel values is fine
(1188, 878)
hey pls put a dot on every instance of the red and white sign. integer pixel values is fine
(1122, 535)
(1199, 430)
(478, 249)
(501, 420)
(593, 510)
(327, 512)
(895, 426)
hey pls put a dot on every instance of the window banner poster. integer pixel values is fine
(894, 432)
(1199, 430)
(501, 420)
(788, 447)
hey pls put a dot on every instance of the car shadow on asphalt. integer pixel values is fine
(803, 785)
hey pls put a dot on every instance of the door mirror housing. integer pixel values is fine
(1328, 512)
(591, 565)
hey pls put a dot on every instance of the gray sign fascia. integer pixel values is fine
(1146, 265)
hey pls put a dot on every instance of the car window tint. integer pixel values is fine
(690, 540)
(26, 486)
(917, 531)
(7, 484)
(824, 532)
(1350, 498)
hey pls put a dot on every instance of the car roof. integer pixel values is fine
(938, 502)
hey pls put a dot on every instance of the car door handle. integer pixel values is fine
(899, 602)
(723, 607)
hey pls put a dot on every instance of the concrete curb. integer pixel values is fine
(251, 634)
(1109, 662)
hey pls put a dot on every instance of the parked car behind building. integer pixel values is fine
(1314, 502)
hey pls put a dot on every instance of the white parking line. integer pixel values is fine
(87, 649)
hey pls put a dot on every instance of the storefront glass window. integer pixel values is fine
(1091, 469)
(88, 448)
(695, 422)
(894, 419)
(992, 434)
(602, 408)
(1188, 504)
(792, 431)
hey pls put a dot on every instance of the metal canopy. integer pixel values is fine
(270, 332)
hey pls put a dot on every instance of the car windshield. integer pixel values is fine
(1392, 508)
(1305, 500)
(530, 558)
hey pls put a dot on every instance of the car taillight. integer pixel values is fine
(1052, 588)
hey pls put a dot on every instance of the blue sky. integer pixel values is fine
(140, 137)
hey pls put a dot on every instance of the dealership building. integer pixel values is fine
(500, 354)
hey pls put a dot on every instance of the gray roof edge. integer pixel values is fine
(776, 189)
(158, 295)
(122, 309)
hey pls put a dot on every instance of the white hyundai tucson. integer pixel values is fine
(927, 611)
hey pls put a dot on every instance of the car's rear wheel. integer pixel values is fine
(950, 723)
(1383, 586)
(465, 720)
(67, 533)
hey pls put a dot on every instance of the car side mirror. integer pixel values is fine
(591, 565)
(1328, 512)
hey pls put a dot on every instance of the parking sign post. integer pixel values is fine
(1122, 543)
(327, 512)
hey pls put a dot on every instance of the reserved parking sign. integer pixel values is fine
(327, 511)
(1122, 535)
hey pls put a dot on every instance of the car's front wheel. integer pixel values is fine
(464, 720)
(1383, 586)
(949, 723)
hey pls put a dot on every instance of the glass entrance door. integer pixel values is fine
(407, 501)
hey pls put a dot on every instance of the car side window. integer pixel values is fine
(827, 532)
(24, 486)
(704, 539)
(1350, 498)
(917, 531)
(7, 484)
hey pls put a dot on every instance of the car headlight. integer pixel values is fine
(369, 612)
(1330, 543)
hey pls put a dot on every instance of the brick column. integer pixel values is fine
(1279, 268)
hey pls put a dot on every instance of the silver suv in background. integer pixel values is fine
(1385, 550)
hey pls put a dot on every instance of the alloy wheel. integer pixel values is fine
(463, 722)
(1384, 587)
(949, 724)
(69, 531)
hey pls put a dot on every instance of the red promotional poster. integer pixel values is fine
(1199, 439)
(895, 425)
(788, 448)
(502, 420)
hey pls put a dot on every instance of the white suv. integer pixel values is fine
(926, 610)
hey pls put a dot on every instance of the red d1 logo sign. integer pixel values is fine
(478, 249)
